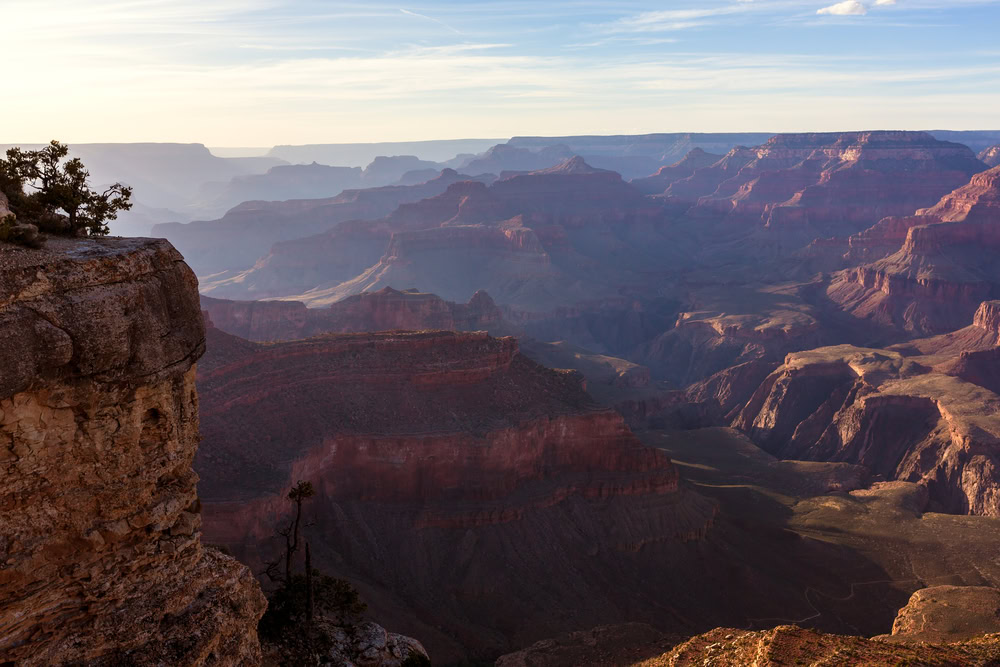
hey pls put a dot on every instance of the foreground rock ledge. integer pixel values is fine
(101, 560)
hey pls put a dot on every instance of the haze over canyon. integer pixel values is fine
(514, 334)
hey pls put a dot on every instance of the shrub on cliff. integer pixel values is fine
(333, 599)
(298, 599)
(49, 193)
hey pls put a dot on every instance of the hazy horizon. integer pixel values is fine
(270, 72)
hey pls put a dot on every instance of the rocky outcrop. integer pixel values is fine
(455, 480)
(624, 644)
(822, 185)
(991, 156)
(947, 614)
(364, 644)
(791, 645)
(895, 415)
(101, 528)
(722, 328)
(384, 310)
(943, 271)
(666, 176)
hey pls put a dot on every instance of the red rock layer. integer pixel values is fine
(991, 156)
(475, 496)
(827, 184)
(944, 269)
(665, 176)
(384, 310)
(897, 417)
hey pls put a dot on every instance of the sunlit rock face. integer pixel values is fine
(899, 417)
(101, 526)
(944, 269)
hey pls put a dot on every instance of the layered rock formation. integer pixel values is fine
(945, 268)
(725, 327)
(821, 185)
(538, 241)
(478, 500)
(791, 645)
(384, 310)
(247, 231)
(665, 176)
(991, 156)
(101, 528)
(947, 614)
(939, 625)
(893, 414)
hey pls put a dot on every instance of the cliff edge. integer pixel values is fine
(101, 560)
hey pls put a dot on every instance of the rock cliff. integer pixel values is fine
(385, 310)
(896, 415)
(478, 500)
(944, 269)
(101, 525)
(821, 185)
(991, 156)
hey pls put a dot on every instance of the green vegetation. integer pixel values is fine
(46, 192)
(299, 598)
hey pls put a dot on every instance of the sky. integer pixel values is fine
(265, 72)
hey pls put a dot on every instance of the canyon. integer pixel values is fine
(671, 398)
(943, 270)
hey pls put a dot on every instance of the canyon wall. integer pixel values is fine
(385, 310)
(478, 500)
(943, 270)
(896, 415)
(101, 525)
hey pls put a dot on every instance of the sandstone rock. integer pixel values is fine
(948, 614)
(991, 156)
(943, 270)
(384, 310)
(666, 176)
(605, 645)
(791, 645)
(101, 527)
(821, 185)
(894, 415)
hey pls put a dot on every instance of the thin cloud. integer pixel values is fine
(431, 18)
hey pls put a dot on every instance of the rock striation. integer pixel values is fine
(552, 238)
(948, 613)
(791, 645)
(684, 168)
(991, 156)
(944, 269)
(478, 500)
(385, 310)
(247, 231)
(894, 414)
(828, 184)
(101, 525)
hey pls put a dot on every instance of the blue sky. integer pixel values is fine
(261, 72)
